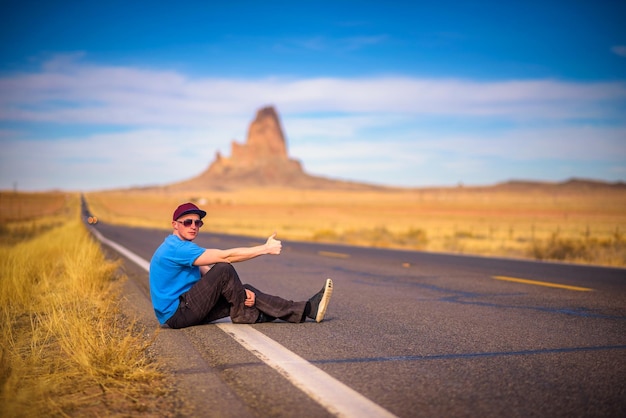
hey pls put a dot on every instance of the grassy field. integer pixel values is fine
(66, 348)
(581, 226)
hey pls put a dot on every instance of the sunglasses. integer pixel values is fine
(188, 222)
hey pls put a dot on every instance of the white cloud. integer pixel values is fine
(428, 158)
(145, 157)
(72, 92)
(377, 129)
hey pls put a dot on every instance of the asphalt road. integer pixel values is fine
(419, 334)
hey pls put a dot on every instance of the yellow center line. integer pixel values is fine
(538, 283)
(333, 255)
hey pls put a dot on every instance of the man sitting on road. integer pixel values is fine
(191, 285)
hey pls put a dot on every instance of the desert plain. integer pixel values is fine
(575, 221)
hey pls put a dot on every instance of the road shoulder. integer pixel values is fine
(196, 385)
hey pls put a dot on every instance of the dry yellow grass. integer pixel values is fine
(66, 348)
(463, 220)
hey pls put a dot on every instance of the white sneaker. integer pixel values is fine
(319, 302)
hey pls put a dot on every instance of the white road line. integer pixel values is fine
(334, 396)
(330, 393)
(126, 253)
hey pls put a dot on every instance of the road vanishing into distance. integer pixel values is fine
(409, 334)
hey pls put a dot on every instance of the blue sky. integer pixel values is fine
(424, 93)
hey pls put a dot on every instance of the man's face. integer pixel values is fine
(187, 226)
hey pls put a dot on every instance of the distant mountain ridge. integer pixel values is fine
(571, 185)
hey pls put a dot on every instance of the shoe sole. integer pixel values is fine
(328, 292)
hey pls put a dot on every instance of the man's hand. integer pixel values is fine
(273, 245)
(250, 298)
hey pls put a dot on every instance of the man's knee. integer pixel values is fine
(250, 287)
(223, 268)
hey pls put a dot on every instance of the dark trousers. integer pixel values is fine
(219, 293)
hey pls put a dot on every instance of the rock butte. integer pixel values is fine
(262, 161)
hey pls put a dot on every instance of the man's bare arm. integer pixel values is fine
(234, 255)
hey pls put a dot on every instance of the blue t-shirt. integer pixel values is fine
(172, 273)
